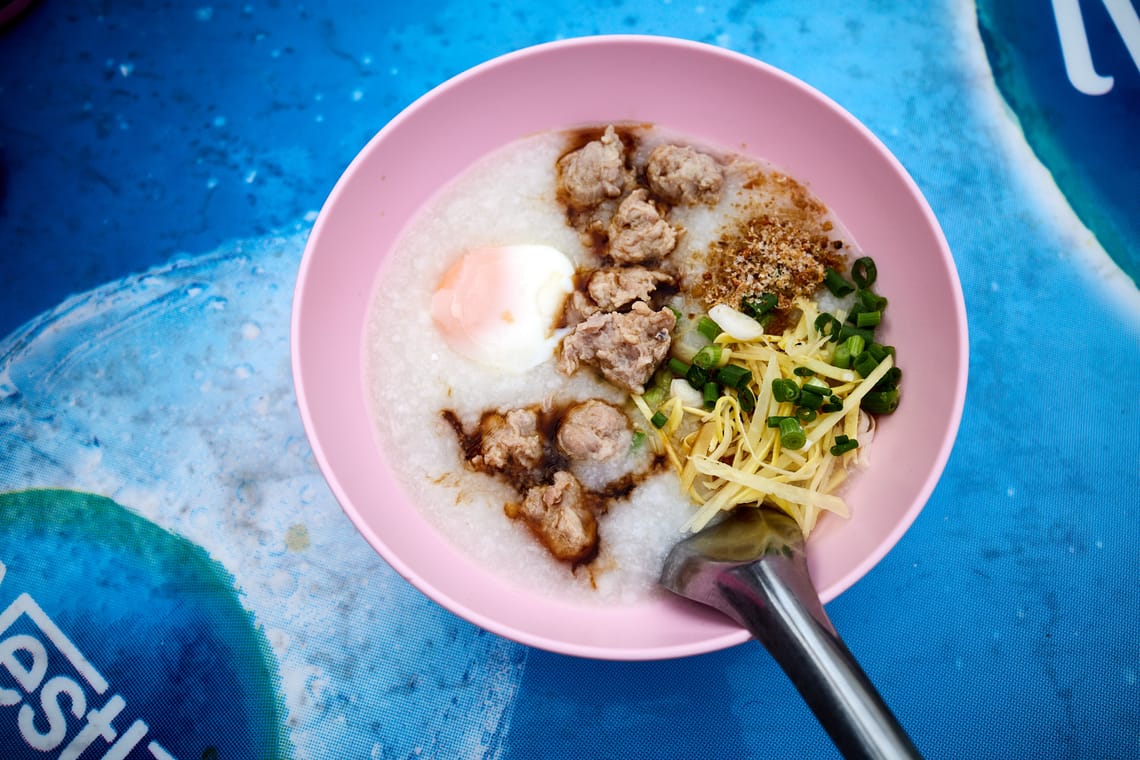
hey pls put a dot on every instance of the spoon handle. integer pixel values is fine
(775, 600)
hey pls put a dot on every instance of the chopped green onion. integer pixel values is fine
(708, 357)
(803, 372)
(708, 328)
(804, 414)
(678, 367)
(841, 438)
(880, 351)
(855, 345)
(834, 405)
(868, 336)
(839, 449)
(734, 376)
(747, 400)
(792, 434)
(817, 385)
(838, 286)
(697, 377)
(711, 393)
(881, 402)
(842, 356)
(758, 306)
(864, 272)
(659, 419)
(785, 390)
(890, 380)
(827, 323)
(864, 364)
(776, 419)
(809, 398)
(869, 301)
(676, 313)
(637, 440)
(653, 397)
(868, 318)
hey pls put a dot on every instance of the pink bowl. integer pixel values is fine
(714, 95)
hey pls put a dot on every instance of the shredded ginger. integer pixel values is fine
(726, 457)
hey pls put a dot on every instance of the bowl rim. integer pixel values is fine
(730, 637)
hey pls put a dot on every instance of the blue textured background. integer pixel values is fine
(1005, 624)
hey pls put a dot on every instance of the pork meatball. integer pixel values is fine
(683, 176)
(638, 232)
(593, 430)
(614, 288)
(511, 441)
(594, 172)
(557, 514)
(626, 347)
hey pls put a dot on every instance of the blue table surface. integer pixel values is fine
(160, 167)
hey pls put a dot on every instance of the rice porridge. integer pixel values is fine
(442, 387)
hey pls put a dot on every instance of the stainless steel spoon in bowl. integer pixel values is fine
(752, 567)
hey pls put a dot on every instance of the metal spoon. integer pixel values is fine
(752, 567)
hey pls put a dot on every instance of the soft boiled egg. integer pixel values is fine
(499, 305)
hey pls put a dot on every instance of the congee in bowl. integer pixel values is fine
(563, 389)
(531, 368)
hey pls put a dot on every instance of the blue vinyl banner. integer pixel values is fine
(177, 579)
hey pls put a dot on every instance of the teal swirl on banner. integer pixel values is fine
(1072, 78)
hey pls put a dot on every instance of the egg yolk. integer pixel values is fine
(498, 306)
